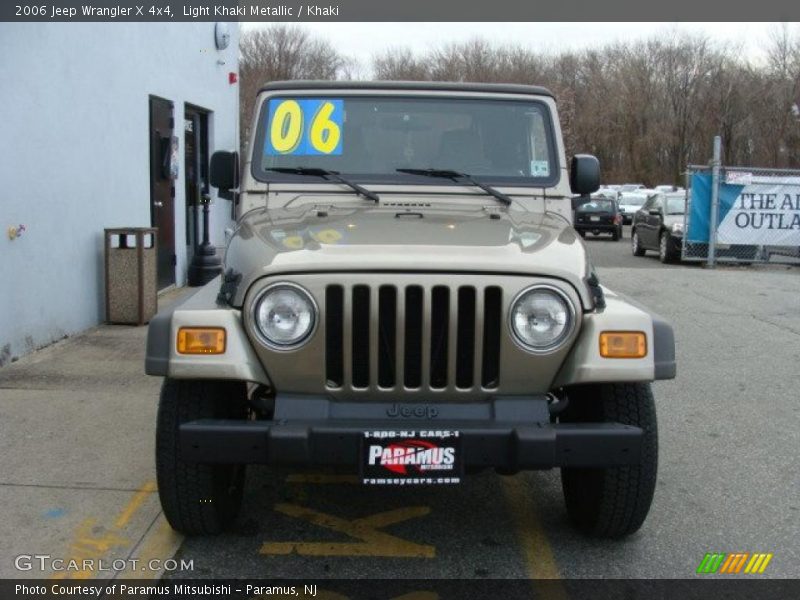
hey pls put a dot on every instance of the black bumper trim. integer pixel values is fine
(337, 442)
(606, 227)
(663, 349)
(156, 360)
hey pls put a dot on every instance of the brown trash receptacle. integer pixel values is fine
(131, 275)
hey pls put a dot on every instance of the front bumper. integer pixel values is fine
(511, 433)
(598, 227)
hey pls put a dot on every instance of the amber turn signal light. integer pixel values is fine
(623, 344)
(201, 340)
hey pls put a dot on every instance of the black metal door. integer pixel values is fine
(196, 172)
(162, 186)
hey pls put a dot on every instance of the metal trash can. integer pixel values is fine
(131, 275)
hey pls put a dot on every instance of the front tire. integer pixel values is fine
(197, 499)
(666, 253)
(636, 245)
(612, 502)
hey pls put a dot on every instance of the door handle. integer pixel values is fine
(158, 204)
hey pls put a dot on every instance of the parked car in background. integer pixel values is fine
(631, 187)
(599, 215)
(630, 202)
(666, 189)
(658, 225)
(608, 193)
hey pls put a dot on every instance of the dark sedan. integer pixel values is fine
(658, 225)
(599, 215)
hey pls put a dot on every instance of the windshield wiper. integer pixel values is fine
(326, 174)
(456, 176)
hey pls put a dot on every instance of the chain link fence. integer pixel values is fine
(741, 215)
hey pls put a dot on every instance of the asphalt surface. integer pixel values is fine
(77, 474)
(729, 473)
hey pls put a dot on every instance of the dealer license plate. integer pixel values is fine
(594, 218)
(411, 457)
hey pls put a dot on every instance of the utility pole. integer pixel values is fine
(712, 224)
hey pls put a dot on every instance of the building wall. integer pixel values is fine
(74, 157)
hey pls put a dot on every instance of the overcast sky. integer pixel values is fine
(363, 40)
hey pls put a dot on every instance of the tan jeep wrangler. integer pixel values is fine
(404, 297)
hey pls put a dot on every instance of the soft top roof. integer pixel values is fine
(497, 88)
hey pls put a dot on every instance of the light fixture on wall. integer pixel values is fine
(222, 37)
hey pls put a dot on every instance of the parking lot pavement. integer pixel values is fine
(77, 478)
(79, 419)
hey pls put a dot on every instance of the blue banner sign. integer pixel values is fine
(753, 210)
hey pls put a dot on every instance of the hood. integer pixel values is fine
(405, 236)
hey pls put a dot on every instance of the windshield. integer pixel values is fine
(369, 138)
(633, 200)
(676, 205)
(597, 206)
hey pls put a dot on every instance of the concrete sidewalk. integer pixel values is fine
(77, 434)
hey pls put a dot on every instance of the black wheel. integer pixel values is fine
(612, 502)
(197, 499)
(636, 246)
(666, 252)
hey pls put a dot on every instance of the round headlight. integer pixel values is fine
(541, 318)
(285, 315)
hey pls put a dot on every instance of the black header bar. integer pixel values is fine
(398, 10)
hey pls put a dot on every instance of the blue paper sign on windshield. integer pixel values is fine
(304, 127)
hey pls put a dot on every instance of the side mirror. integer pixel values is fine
(224, 173)
(584, 174)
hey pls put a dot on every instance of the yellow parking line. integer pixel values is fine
(161, 542)
(134, 504)
(89, 544)
(366, 529)
(538, 554)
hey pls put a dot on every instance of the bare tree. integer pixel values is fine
(399, 64)
(649, 108)
(281, 52)
(645, 108)
(777, 122)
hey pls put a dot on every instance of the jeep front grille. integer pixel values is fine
(412, 337)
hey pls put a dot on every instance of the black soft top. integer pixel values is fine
(497, 88)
